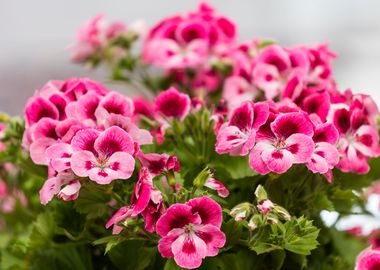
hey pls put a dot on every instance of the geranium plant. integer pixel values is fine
(229, 156)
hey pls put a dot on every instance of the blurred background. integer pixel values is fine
(33, 35)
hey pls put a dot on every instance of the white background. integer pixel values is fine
(34, 33)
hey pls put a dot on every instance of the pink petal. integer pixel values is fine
(82, 162)
(242, 117)
(278, 161)
(38, 108)
(189, 250)
(113, 139)
(84, 140)
(290, 123)
(301, 146)
(50, 188)
(114, 103)
(368, 259)
(142, 191)
(86, 106)
(165, 243)
(209, 211)
(218, 186)
(172, 103)
(261, 112)
(326, 133)
(328, 152)
(38, 148)
(122, 163)
(318, 164)
(342, 120)
(212, 236)
(231, 139)
(70, 192)
(59, 155)
(317, 103)
(255, 160)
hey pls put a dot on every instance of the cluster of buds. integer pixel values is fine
(259, 214)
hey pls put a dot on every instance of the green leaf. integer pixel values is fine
(233, 230)
(92, 202)
(234, 167)
(43, 230)
(133, 254)
(277, 259)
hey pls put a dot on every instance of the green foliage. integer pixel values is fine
(298, 236)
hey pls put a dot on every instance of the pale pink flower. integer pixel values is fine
(114, 103)
(190, 232)
(237, 137)
(103, 156)
(284, 142)
(237, 90)
(54, 184)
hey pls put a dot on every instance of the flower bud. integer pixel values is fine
(241, 211)
(265, 206)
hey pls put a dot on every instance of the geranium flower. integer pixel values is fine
(282, 143)
(368, 259)
(237, 137)
(358, 141)
(103, 156)
(190, 232)
(172, 104)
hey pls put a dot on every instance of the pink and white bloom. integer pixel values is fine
(325, 155)
(237, 137)
(218, 186)
(359, 140)
(172, 104)
(191, 231)
(54, 184)
(282, 143)
(237, 90)
(368, 259)
(103, 156)
(114, 103)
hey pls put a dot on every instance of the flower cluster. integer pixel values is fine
(244, 113)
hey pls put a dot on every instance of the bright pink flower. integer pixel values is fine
(114, 103)
(159, 163)
(275, 56)
(38, 108)
(172, 103)
(190, 232)
(325, 155)
(218, 186)
(120, 216)
(142, 192)
(237, 137)
(282, 143)
(359, 140)
(368, 259)
(143, 107)
(103, 157)
(74, 88)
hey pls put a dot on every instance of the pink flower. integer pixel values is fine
(59, 156)
(146, 200)
(54, 184)
(159, 163)
(368, 259)
(267, 78)
(218, 186)
(282, 143)
(114, 103)
(120, 216)
(238, 136)
(172, 104)
(358, 140)
(103, 156)
(190, 232)
(325, 155)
